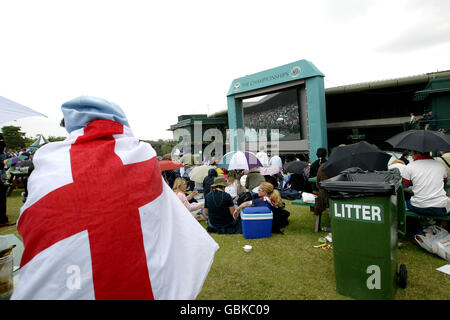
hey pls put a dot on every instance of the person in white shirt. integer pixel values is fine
(397, 164)
(445, 160)
(263, 157)
(234, 186)
(276, 162)
(427, 178)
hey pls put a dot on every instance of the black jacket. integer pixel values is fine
(209, 181)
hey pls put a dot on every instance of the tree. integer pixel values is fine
(161, 146)
(14, 138)
(28, 141)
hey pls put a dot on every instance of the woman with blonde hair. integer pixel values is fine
(179, 187)
(233, 187)
(268, 197)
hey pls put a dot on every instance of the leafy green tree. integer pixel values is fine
(167, 147)
(28, 141)
(14, 138)
(161, 146)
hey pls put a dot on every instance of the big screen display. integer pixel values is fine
(278, 111)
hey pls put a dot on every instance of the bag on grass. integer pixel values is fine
(436, 240)
(308, 197)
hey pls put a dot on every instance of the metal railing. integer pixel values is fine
(442, 125)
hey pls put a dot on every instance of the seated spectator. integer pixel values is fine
(284, 179)
(219, 209)
(427, 178)
(233, 187)
(169, 177)
(208, 181)
(179, 187)
(268, 197)
(444, 158)
(276, 161)
(2, 147)
(242, 180)
(272, 180)
(321, 154)
(3, 216)
(30, 167)
(253, 180)
(263, 157)
(404, 157)
(298, 182)
(397, 164)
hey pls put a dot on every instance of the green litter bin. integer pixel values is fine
(367, 211)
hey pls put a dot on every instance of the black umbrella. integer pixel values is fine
(421, 140)
(295, 166)
(362, 155)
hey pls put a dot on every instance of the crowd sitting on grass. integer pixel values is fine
(12, 160)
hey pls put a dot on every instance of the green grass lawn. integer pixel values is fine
(288, 267)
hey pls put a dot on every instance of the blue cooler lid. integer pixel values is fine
(255, 210)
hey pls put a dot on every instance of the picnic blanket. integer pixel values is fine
(99, 221)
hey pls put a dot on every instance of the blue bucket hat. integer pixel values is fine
(80, 111)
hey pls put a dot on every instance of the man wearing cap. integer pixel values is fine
(99, 222)
(219, 208)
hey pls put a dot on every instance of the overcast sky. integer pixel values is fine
(162, 59)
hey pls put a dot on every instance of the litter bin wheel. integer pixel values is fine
(402, 276)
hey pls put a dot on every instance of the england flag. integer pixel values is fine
(99, 221)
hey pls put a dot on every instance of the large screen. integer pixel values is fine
(273, 111)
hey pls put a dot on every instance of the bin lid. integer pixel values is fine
(355, 182)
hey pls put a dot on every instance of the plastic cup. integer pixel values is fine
(6, 277)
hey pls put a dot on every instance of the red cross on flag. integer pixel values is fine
(100, 223)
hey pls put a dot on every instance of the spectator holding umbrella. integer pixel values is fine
(427, 178)
(297, 181)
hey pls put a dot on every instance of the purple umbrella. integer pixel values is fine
(240, 160)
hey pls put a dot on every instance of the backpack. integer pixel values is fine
(244, 197)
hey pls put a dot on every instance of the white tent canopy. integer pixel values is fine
(10, 110)
(40, 141)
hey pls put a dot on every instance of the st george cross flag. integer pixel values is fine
(99, 221)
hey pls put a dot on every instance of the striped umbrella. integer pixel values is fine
(239, 160)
